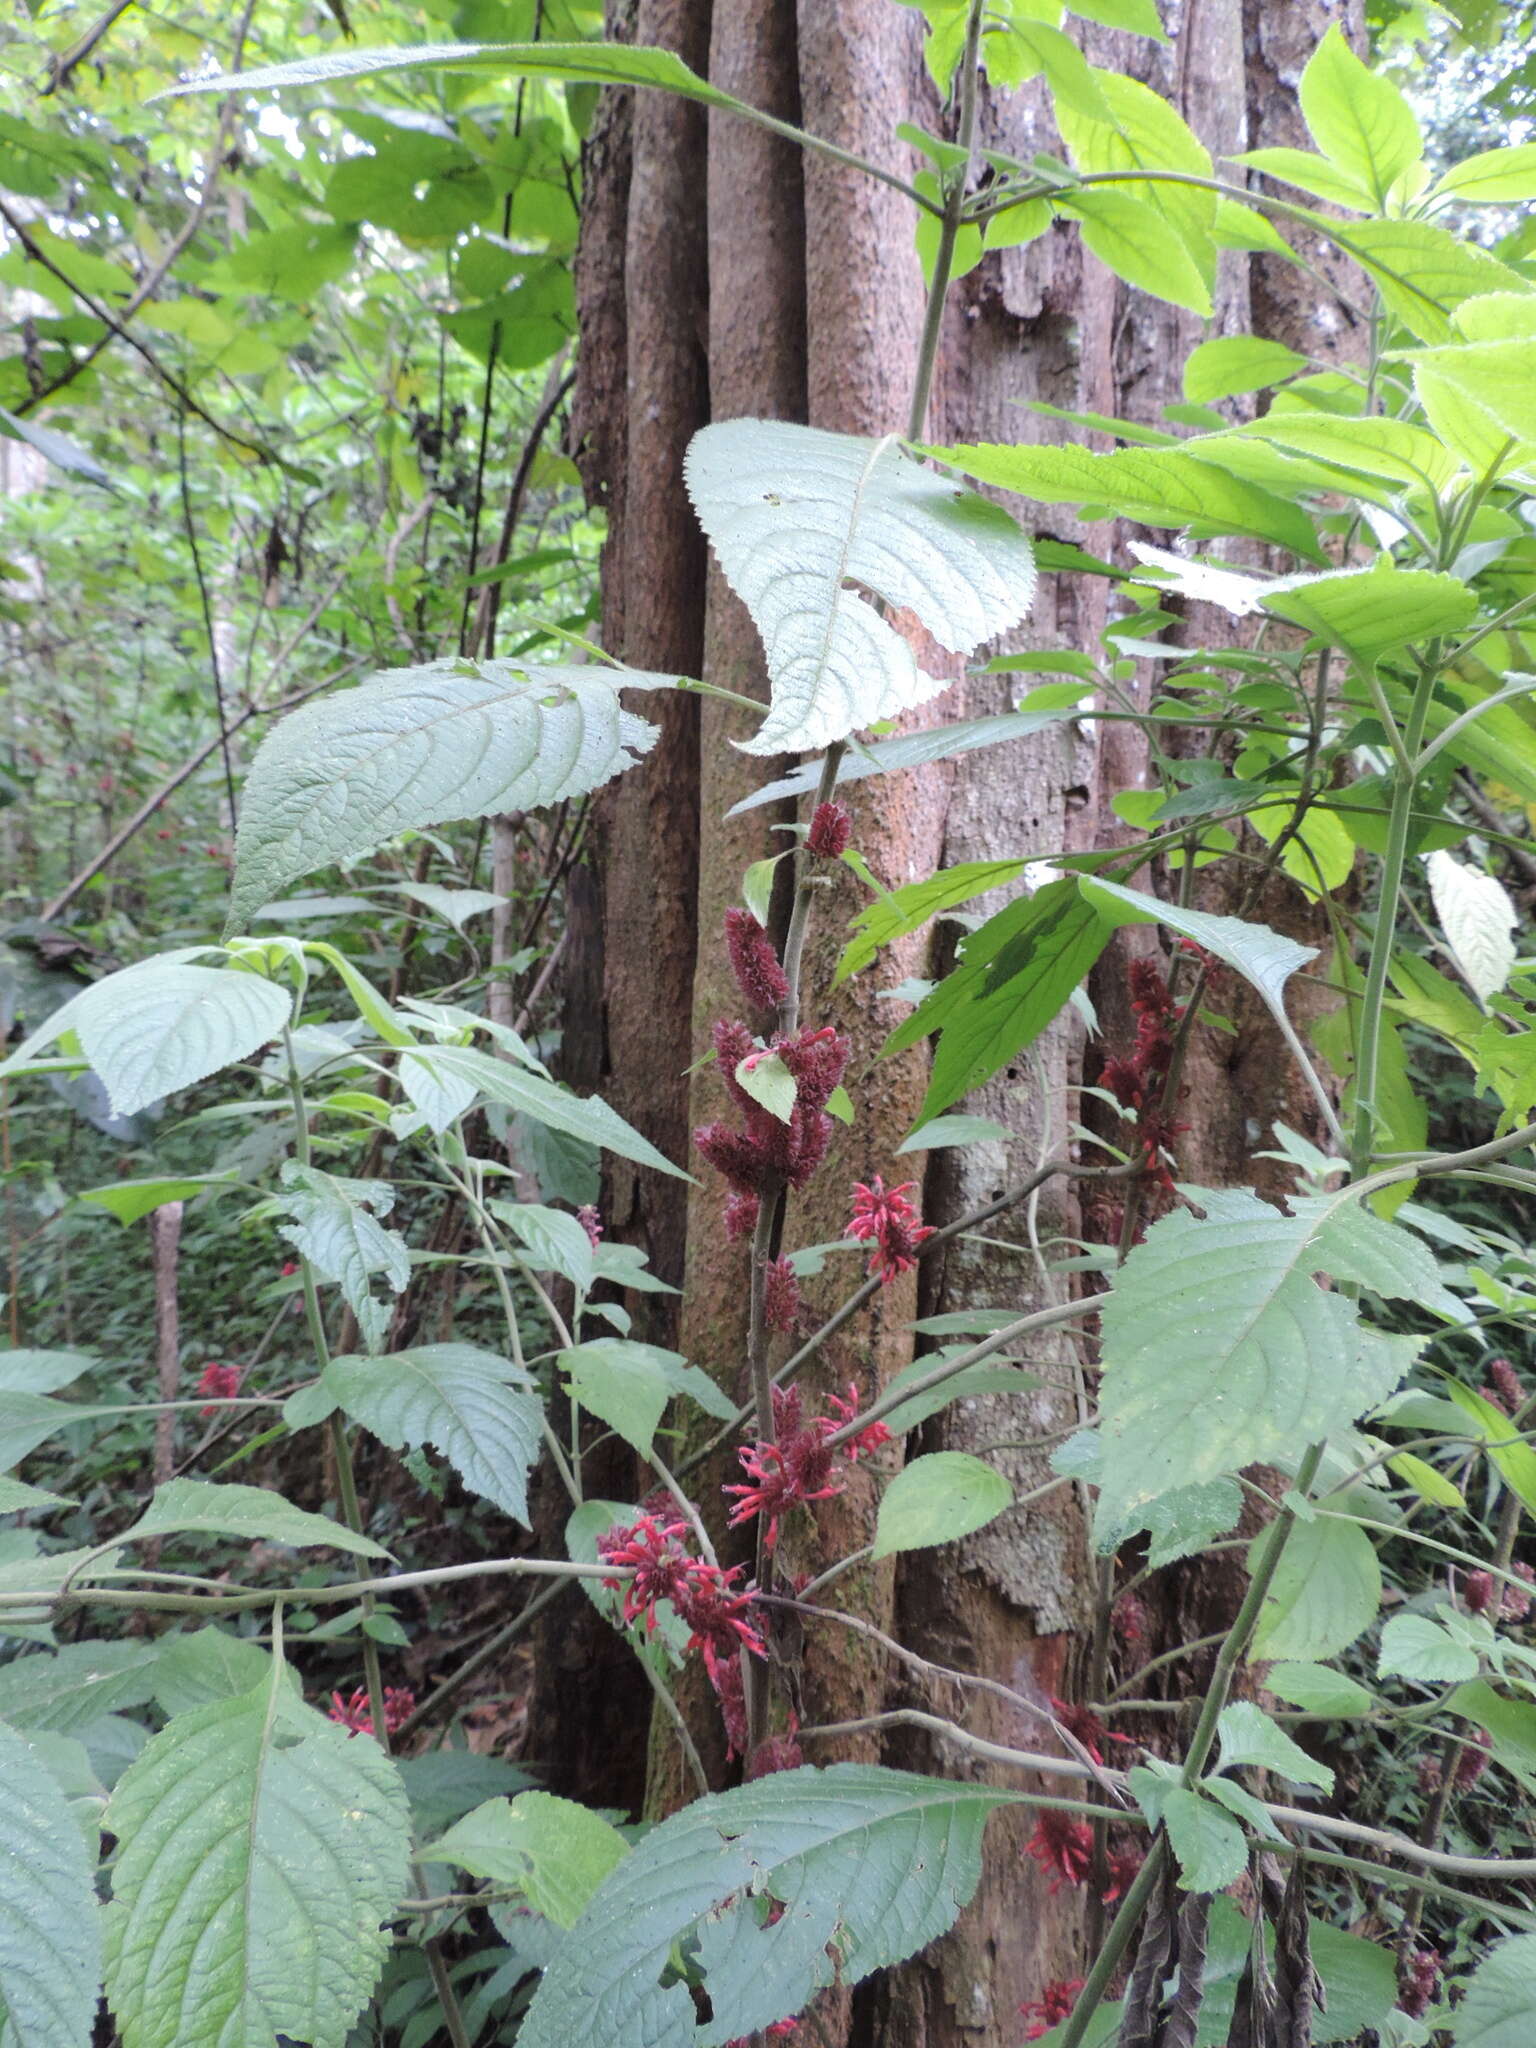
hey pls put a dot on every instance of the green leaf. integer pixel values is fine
(970, 1383)
(1131, 237)
(162, 1025)
(1132, 128)
(479, 1410)
(1249, 1736)
(1357, 117)
(1136, 17)
(941, 1132)
(937, 1499)
(1314, 174)
(445, 1784)
(27, 1420)
(1478, 918)
(208, 1664)
(1424, 274)
(1325, 1592)
(132, 1200)
(454, 906)
(1493, 177)
(870, 1865)
(1221, 1351)
(261, 1851)
(1015, 974)
(16, 1497)
(1210, 1846)
(626, 1384)
(50, 1938)
(802, 522)
(764, 1076)
(1427, 1482)
(553, 1851)
(553, 1239)
(44, 1372)
(1373, 610)
(910, 907)
(907, 750)
(1510, 1725)
(200, 1507)
(1413, 1646)
(65, 1690)
(1514, 1460)
(543, 1102)
(1500, 1996)
(1317, 1690)
(1168, 487)
(1234, 363)
(419, 746)
(335, 1227)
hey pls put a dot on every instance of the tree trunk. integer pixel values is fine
(813, 310)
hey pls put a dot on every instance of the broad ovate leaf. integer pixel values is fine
(1221, 1350)
(262, 1850)
(50, 1931)
(553, 1851)
(414, 747)
(255, 1514)
(938, 1498)
(1496, 2007)
(479, 1410)
(162, 1025)
(1478, 919)
(65, 1690)
(807, 526)
(1325, 1592)
(869, 1865)
(1357, 116)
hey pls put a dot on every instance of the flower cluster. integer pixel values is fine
(831, 828)
(802, 1464)
(1140, 1081)
(1504, 1389)
(765, 1152)
(701, 1593)
(1064, 1847)
(1420, 1980)
(1054, 2005)
(1481, 1594)
(1083, 1723)
(762, 981)
(219, 1383)
(591, 1222)
(354, 1714)
(884, 1217)
(781, 1295)
(1128, 1618)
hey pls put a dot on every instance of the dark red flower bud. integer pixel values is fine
(754, 962)
(830, 830)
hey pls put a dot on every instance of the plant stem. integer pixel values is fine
(1116, 1942)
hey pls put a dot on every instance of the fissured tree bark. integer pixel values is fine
(723, 275)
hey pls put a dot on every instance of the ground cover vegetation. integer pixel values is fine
(768, 1108)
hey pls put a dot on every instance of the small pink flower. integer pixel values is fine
(703, 1595)
(1129, 1619)
(1514, 1603)
(591, 1223)
(885, 1217)
(222, 1382)
(1124, 1867)
(755, 964)
(831, 828)
(1506, 1390)
(1473, 1760)
(1419, 1979)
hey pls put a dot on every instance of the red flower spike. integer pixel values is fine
(887, 1219)
(1062, 1846)
(725, 1675)
(740, 1214)
(353, 1713)
(869, 1438)
(1124, 1867)
(755, 964)
(1477, 1592)
(831, 828)
(781, 2030)
(1418, 1982)
(1129, 1619)
(591, 1222)
(1508, 1392)
(703, 1595)
(220, 1381)
(1514, 1604)
(778, 1753)
(781, 1295)
(1054, 2005)
(1085, 1724)
(1473, 1760)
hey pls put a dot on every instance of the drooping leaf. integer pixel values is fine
(1168, 487)
(479, 1410)
(1249, 1736)
(414, 747)
(1478, 919)
(1493, 177)
(1016, 973)
(798, 518)
(629, 1384)
(937, 1499)
(204, 1507)
(132, 1200)
(336, 1227)
(1514, 1459)
(910, 907)
(907, 750)
(261, 1850)
(869, 1865)
(1221, 1350)
(553, 1239)
(1424, 273)
(1234, 363)
(65, 1690)
(540, 1100)
(1357, 117)
(1325, 1592)
(1318, 1690)
(50, 1930)
(1131, 237)
(162, 1025)
(553, 1851)
(1414, 1646)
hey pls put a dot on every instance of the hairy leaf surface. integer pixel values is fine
(50, 1931)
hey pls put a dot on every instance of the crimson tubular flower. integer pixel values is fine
(762, 981)
(353, 1713)
(702, 1593)
(1054, 2005)
(222, 1382)
(764, 1152)
(886, 1218)
(1062, 1846)
(801, 1465)
(831, 828)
